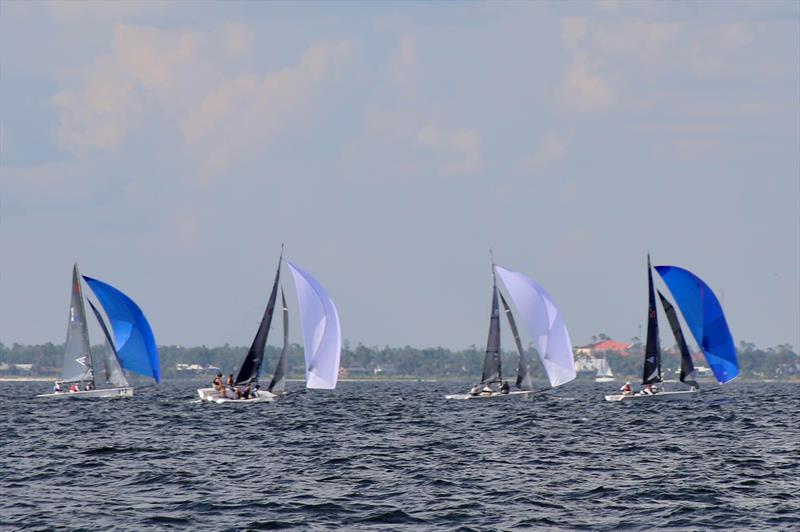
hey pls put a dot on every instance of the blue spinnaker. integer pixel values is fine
(704, 316)
(136, 346)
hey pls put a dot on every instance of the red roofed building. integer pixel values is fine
(603, 345)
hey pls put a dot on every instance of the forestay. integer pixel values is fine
(704, 316)
(322, 336)
(544, 323)
(113, 371)
(278, 383)
(687, 366)
(77, 355)
(523, 375)
(133, 336)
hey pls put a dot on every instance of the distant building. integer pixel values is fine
(603, 346)
(195, 367)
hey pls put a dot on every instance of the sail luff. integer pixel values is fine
(133, 336)
(322, 332)
(112, 365)
(251, 365)
(523, 375)
(278, 382)
(545, 324)
(687, 366)
(77, 364)
(652, 353)
(492, 371)
(704, 316)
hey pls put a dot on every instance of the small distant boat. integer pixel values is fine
(134, 348)
(322, 342)
(703, 314)
(604, 373)
(544, 323)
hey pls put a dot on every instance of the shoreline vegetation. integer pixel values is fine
(43, 362)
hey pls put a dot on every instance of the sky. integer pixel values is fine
(171, 147)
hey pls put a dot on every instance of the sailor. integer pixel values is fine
(487, 390)
(74, 387)
(217, 382)
(504, 387)
(246, 391)
(648, 390)
(475, 390)
(627, 389)
(255, 393)
(230, 380)
(57, 387)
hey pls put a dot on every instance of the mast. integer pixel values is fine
(523, 375)
(77, 364)
(251, 365)
(687, 366)
(652, 351)
(491, 362)
(278, 382)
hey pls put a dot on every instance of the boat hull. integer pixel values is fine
(495, 395)
(101, 393)
(211, 395)
(604, 379)
(661, 396)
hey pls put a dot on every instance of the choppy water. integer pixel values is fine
(397, 455)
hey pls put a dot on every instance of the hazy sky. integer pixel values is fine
(170, 147)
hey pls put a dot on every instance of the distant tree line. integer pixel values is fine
(361, 361)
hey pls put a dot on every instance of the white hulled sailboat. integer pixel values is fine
(546, 327)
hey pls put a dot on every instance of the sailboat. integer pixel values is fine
(133, 347)
(703, 314)
(604, 373)
(322, 343)
(545, 325)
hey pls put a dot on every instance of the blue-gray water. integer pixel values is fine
(382, 455)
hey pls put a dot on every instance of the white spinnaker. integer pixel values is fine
(544, 323)
(322, 334)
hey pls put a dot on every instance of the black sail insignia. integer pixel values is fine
(491, 362)
(255, 356)
(652, 351)
(278, 383)
(523, 374)
(687, 366)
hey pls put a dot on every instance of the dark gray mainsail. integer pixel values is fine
(278, 383)
(77, 353)
(491, 362)
(687, 366)
(523, 374)
(251, 366)
(113, 373)
(652, 350)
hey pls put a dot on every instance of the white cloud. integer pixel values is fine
(457, 149)
(185, 81)
(551, 149)
(582, 89)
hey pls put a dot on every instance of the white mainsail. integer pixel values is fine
(603, 369)
(322, 335)
(544, 323)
